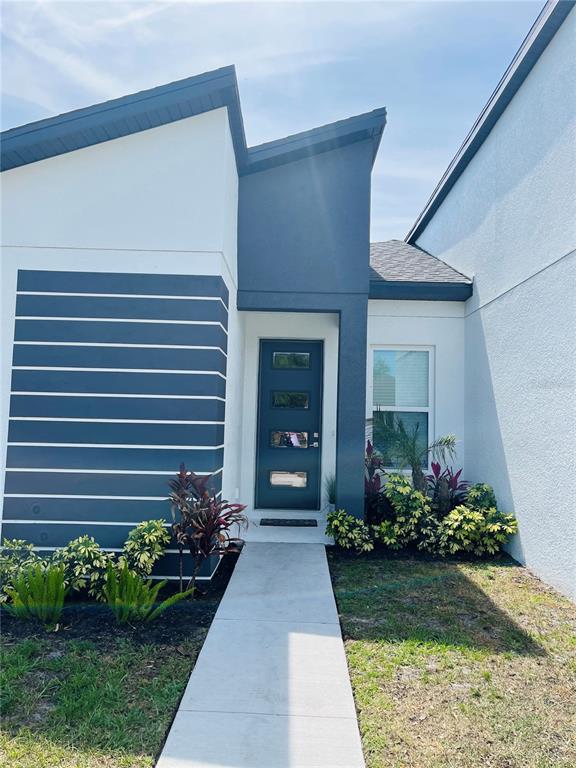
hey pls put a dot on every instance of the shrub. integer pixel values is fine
(84, 564)
(38, 592)
(410, 509)
(460, 530)
(476, 531)
(348, 531)
(132, 598)
(144, 546)
(15, 555)
(498, 527)
(202, 522)
(481, 496)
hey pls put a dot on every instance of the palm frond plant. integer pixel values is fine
(410, 450)
(132, 598)
(38, 592)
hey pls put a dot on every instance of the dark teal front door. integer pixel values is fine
(289, 425)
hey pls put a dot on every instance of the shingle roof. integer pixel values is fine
(397, 261)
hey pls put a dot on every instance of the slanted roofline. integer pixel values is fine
(169, 103)
(543, 30)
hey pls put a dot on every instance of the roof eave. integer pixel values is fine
(364, 127)
(168, 103)
(126, 115)
(419, 291)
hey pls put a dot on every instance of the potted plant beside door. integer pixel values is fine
(330, 488)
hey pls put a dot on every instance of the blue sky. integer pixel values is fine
(299, 64)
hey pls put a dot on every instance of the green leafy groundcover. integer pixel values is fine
(407, 517)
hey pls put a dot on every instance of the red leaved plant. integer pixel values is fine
(446, 488)
(201, 521)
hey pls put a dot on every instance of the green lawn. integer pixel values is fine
(456, 665)
(78, 706)
(96, 694)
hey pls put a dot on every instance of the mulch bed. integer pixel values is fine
(93, 621)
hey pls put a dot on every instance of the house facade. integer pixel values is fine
(171, 295)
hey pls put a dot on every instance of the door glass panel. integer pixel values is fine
(291, 360)
(286, 439)
(289, 479)
(290, 400)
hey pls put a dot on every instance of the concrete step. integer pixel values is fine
(286, 534)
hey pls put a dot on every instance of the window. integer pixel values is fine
(290, 400)
(400, 400)
(289, 479)
(291, 360)
(287, 439)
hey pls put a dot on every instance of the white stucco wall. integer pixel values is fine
(510, 221)
(161, 201)
(437, 326)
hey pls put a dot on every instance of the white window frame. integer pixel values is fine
(430, 409)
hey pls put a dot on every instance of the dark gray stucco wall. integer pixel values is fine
(303, 237)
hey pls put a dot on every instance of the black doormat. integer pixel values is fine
(300, 523)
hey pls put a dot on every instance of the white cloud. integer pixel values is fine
(108, 49)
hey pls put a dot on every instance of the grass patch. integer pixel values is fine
(95, 694)
(457, 665)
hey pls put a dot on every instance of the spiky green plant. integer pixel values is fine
(409, 450)
(133, 599)
(330, 488)
(15, 554)
(38, 592)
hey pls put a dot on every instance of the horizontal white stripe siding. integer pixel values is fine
(116, 370)
(122, 296)
(122, 320)
(184, 327)
(121, 445)
(76, 522)
(124, 394)
(82, 496)
(107, 421)
(203, 473)
(116, 345)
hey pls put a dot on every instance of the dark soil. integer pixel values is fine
(84, 619)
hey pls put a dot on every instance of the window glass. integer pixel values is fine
(291, 360)
(289, 479)
(286, 439)
(400, 378)
(290, 400)
(392, 427)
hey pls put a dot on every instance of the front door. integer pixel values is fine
(289, 425)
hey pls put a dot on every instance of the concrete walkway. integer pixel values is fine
(270, 688)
